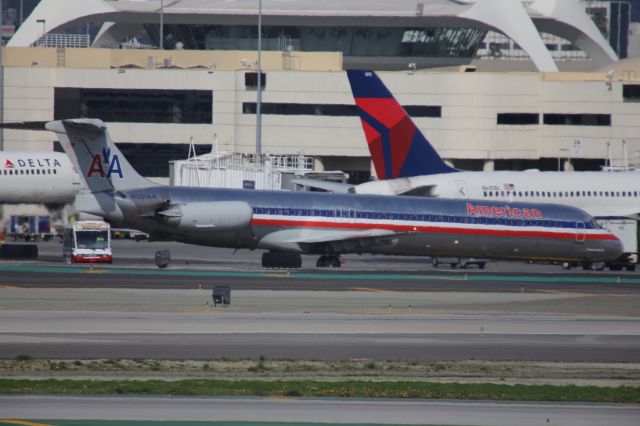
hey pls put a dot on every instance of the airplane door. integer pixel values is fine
(461, 189)
(580, 232)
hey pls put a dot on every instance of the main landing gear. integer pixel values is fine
(281, 260)
(331, 261)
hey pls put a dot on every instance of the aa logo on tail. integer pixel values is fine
(111, 164)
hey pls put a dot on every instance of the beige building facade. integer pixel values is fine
(476, 120)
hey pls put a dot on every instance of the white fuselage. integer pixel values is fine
(36, 177)
(601, 194)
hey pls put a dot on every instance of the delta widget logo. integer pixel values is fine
(106, 161)
(9, 165)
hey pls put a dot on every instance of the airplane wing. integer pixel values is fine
(341, 240)
(380, 187)
(326, 185)
(400, 186)
(605, 212)
(419, 191)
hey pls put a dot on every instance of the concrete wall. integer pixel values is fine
(144, 58)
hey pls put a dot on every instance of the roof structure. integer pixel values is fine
(462, 20)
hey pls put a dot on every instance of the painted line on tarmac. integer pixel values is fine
(372, 290)
(326, 276)
(22, 423)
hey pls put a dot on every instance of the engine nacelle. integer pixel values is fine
(210, 216)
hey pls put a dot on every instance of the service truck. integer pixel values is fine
(627, 231)
(87, 241)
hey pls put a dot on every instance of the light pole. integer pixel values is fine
(43, 22)
(161, 24)
(259, 98)
(1, 84)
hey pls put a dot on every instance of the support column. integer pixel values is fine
(318, 165)
(489, 166)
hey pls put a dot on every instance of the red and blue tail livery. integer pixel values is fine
(398, 148)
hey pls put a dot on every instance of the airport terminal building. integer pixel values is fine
(202, 85)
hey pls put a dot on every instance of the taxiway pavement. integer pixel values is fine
(331, 411)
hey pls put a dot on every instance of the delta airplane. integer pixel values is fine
(407, 164)
(32, 177)
(290, 223)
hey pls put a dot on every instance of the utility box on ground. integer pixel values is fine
(19, 251)
(163, 258)
(221, 295)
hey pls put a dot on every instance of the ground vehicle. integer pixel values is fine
(627, 231)
(30, 228)
(87, 241)
(454, 261)
(128, 234)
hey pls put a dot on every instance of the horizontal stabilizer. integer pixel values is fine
(93, 126)
(25, 125)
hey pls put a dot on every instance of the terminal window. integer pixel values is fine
(631, 92)
(518, 118)
(332, 110)
(135, 105)
(152, 159)
(578, 119)
(251, 80)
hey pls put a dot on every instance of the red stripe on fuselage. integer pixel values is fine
(430, 229)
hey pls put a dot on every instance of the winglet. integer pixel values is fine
(397, 147)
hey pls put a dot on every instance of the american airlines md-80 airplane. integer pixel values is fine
(290, 223)
(407, 164)
(37, 177)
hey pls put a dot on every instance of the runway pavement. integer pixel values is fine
(376, 346)
(330, 411)
(309, 330)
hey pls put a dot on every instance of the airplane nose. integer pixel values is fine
(613, 248)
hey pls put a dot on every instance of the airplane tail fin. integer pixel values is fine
(398, 148)
(102, 165)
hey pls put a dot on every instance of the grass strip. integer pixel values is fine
(312, 388)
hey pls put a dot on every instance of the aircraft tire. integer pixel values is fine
(327, 261)
(334, 262)
(322, 262)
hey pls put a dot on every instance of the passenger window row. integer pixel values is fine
(12, 172)
(433, 218)
(560, 194)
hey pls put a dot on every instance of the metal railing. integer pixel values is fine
(63, 40)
